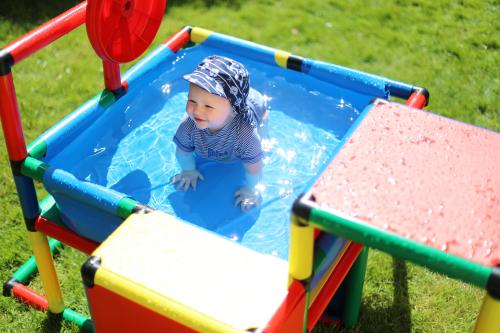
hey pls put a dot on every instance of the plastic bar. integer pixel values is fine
(488, 319)
(47, 271)
(30, 297)
(355, 281)
(65, 235)
(33, 168)
(344, 77)
(399, 89)
(11, 120)
(281, 58)
(61, 182)
(301, 250)
(178, 40)
(237, 46)
(37, 301)
(321, 280)
(65, 129)
(416, 100)
(333, 248)
(37, 149)
(147, 64)
(112, 79)
(125, 207)
(48, 209)
(451, 265)
(47, 33)
(75, 317)
(27, 197)
(333, 283)
(23, 273)
(199, 35)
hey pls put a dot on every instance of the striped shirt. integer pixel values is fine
(236, 140)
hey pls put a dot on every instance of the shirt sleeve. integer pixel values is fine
(183, 137)
(249, 146)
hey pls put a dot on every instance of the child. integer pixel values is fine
(223, 114)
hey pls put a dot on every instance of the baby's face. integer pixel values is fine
(207, 110)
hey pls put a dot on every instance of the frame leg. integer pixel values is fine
(46, 268)
(355, 278)
(489, 315)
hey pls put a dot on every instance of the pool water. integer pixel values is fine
(130, 149)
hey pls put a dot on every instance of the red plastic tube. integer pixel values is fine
(112, 79)
(64, 235)
(11, 120)
(416, 100)
(47, 33)
(178, 40)
(30, 297)
(333, 283)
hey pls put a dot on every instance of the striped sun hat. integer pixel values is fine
(226, 78)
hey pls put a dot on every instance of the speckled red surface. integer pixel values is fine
(422, 176)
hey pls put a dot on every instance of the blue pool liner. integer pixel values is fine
(90, 208)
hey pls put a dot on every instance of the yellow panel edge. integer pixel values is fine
(198, 35)
(160, 304)
(281, 57)
(99, 251)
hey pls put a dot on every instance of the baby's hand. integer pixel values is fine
(247, 198)
(187, 178)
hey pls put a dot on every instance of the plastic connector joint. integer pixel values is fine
(6, 62)
(493, 284)
(301, 209)
(89, 269)
(7, 286)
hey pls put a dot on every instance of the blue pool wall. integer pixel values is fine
(86, 207)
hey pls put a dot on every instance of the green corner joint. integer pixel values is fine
(355, 279)
(125, 207)
(37, 149)
(33, 168)
(105, 98)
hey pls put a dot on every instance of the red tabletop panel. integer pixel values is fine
(422, 176)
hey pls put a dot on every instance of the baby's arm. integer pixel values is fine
(189, 175)
(249, 196)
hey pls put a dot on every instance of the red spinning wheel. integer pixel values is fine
(121, 30)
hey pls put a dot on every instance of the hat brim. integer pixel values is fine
(205, 82)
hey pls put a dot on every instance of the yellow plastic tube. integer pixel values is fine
(301, 250)
(198, 35)
(281, 57)
(47, 270)
(489, 316)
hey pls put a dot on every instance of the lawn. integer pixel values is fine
(449, 47)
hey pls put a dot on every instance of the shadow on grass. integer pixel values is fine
(52, 324)
(378, 319)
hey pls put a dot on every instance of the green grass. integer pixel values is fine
(449, 47)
